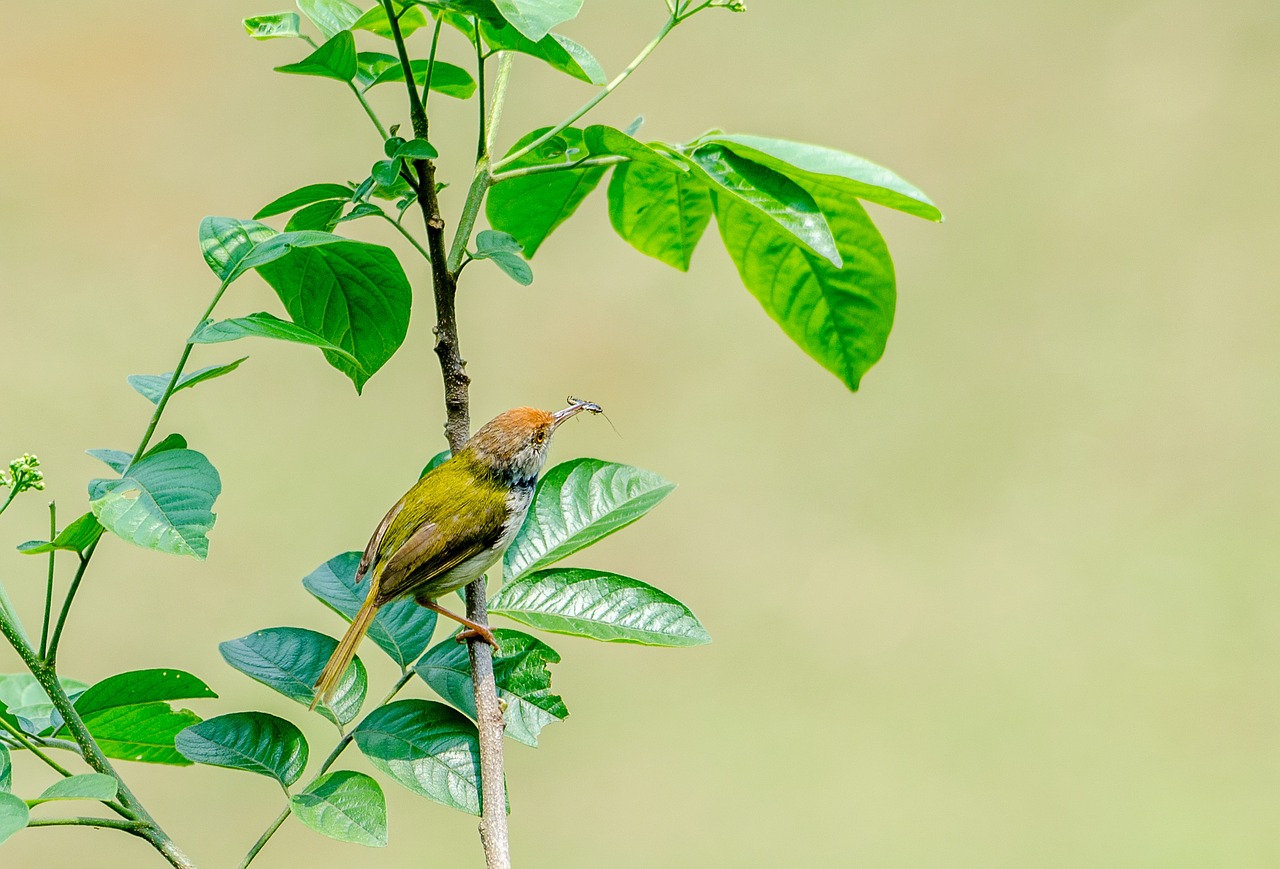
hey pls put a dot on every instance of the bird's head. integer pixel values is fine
(514, 444)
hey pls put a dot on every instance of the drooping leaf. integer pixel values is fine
(163, 502)
(335, 59)
(452, 81)
(560, 52)
(344, 805)
(522, 674)
(281, 25)
(401, 628)
(530, 208)
(576, 504)
(330, 16)
(264, 325)
(660, 212)
(304, 196)
(152, 386)
(768, 194)
(252, 741)
(386, 172)
(431, 749)
(289, 660)
(76, 537)
(225, 241)
(14, 815)
(840, 317)
(535, 18)
(85, 786)
(504, 252)
(375, 21)
(600, 606)
(813, 165)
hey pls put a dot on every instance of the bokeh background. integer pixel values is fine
(1013, 604)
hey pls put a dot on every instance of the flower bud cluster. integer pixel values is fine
(24, 473)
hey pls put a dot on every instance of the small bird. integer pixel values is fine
(452, 525)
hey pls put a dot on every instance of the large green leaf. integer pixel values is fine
(401, 628)
(279, 26)
(163, 502)
(521, 671)
(659, 212)
(141, 686)
(431, 749)
(335, 59)
(330, 16)
(601, 606)
(289, 660)
(85, 786)
(76, 537)
(142, 732)
(577, 503)
(768, 194)
(560, 52)
(840, 317)
(375, 21)
(14, 815)
(352, 293)
(152, 386)
(813, 165)
(535, 18)
(304, 196)
(530, 208)
(264, 325)
(225, 241)
(252, 741)
(344, 805)
(452, 81)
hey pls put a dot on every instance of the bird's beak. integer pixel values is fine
(573, 410)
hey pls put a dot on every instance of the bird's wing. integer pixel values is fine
(428, 552)
(371, 551)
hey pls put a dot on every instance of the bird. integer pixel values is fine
(452, 526)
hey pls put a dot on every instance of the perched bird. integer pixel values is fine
(452, 525)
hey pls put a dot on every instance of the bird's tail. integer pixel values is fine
(346, 651)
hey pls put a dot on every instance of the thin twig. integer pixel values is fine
(48, 591)
(137, 828)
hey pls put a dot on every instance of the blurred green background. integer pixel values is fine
(1013, 604)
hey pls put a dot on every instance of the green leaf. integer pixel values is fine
(353, 294)
(521, 671)
(86, 786)
(660, 212)
(27, 704)
(251, 741)
(14, 815)
(152, 386)
(416, 149)
(6, 770)
(141, 732)
(164, 502)
(535, 18)
(401, 628)
(530, 208)
(169, 442)
(560, 52)
(504, 252)
(321, 216)
(813, 165)
(429, 748)
(375, 21)
(602, 140)
(840, 317)
(330, 16)
(335, 59)
(141, 686)
(363, 209)
(259, 325)
(281, 25)
(76, 537)
(576, 504)
(768, 194)
(452, 81)
(600, 606)
(436, 461)
(117, 460)
(225, 241)
(304, 196)
(344, 805)
(386, 172)
(289, 660)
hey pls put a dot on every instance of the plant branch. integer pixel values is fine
(409, 236)
(595, 100)
(544, 168)
(137, 828)
(431, 63)
(341, 746)
(48, 592)
(51, 657)
(364, 104)
(25, 741)
(482, 180)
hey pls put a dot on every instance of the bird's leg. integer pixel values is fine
(474, 629)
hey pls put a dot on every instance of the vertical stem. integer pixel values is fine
(48, 591)
(51, 657)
